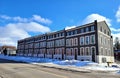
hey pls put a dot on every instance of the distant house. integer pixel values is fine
(117, 54)
(11, 50)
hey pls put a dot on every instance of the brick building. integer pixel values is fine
(89, 42)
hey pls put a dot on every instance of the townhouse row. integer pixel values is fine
(89, 42)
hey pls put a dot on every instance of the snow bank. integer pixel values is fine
(72, 63)
(118, 72)
(27, 59)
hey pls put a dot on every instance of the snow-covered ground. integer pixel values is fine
(69, 64)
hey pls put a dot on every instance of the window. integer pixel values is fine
(92, 39)
(67, 33)
(105, 31)
(101, 29)
(86, 29)
(72, 32)
(75, 31)
(105, 41)
(101, 40)
(108, 42)
(62, 34)
(92, 51)
(81, 51)
(81, 40)
(44, 37)
(54, 35)
(104, 60)
(47, 37)
(36, 45)
(108, 33)
(67, 42)
(102, 51)
(71, 51)
(31, 45)
(109, 53)
(68, 51)
(57, 35)
(87, 51)
(87, 40)
(75, 51)
(71, 42)
(75, 41)
(81, 30)
(92, 28)
(106, 53)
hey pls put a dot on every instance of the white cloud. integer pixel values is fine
(90, 18)
(21, 28)
(15, 31)
(35, 18)
(10, 34)
(32, 27)
(115, 30)
(12, 31)
(40, 19)
(69, 27)
(16, 19)
(5, 17)
(118, 14)
(19, 19)
(8, 41)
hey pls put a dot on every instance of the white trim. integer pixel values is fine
(93, 39)
(83, 51)
(88, 51)
(75, 42)
(82, 38)
(88, 40)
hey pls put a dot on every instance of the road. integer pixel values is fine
(11, 69)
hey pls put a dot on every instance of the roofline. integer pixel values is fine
(49, 33)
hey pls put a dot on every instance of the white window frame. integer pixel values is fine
(91, 39)
(88, 40)
(86, 29)
(75, 41)
(83, 51)
(92, 28)
(81, 40)
(88, 51)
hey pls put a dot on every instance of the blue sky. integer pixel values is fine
(24, 18)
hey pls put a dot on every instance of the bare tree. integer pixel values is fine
(117, 43)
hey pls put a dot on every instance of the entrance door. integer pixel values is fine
(75, 50)
(93, 54)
